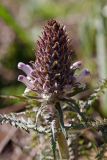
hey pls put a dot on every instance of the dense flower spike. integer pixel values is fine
(52, 73)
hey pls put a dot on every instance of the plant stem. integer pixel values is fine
(60, 137)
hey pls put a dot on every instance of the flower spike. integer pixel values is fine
(52, 73)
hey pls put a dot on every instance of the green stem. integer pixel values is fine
(60, 137)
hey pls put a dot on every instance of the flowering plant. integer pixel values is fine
(52, 82)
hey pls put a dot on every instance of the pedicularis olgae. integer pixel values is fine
(52, 75)
(53, 80)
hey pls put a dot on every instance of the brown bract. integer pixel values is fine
(52, 75)
(53, 59)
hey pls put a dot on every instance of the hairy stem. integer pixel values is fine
(59, 135)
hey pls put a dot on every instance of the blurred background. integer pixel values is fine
(21, 23)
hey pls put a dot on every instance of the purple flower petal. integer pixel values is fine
(25, 68)
(82, 78)
(24, 80)
(76, 65)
